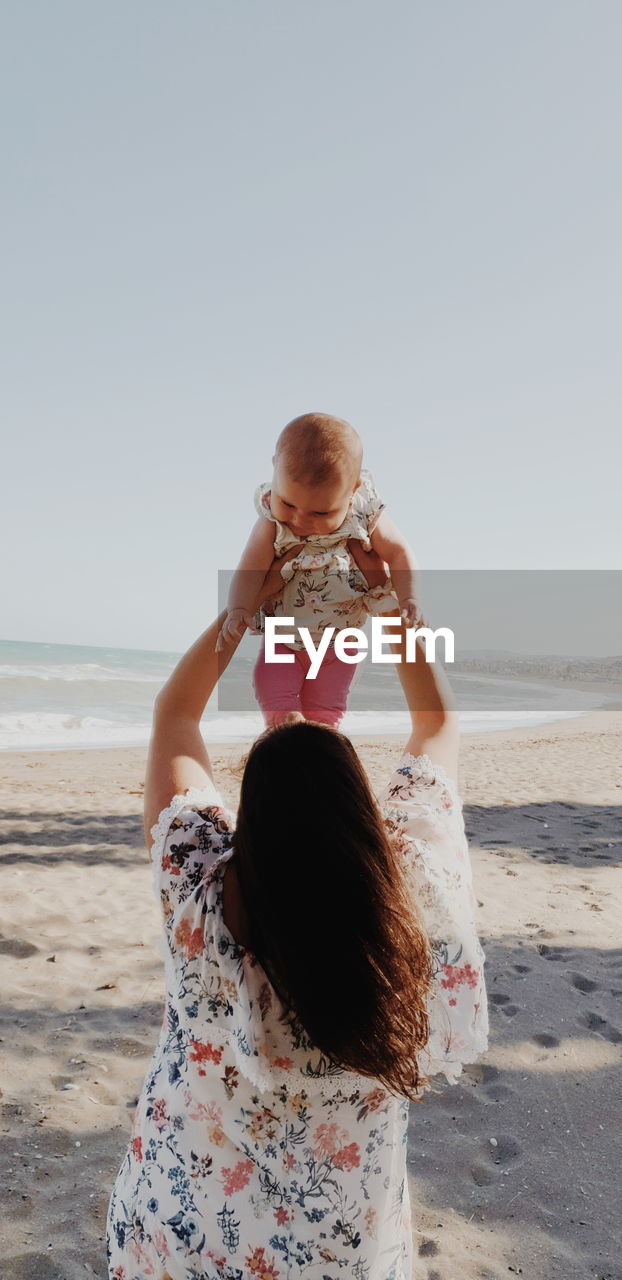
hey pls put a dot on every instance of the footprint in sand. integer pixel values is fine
(583, 984)
(497, 1092)
(17, 948)
(560, 953)
(507, 1148)
(481, 1073)
(592, 1021)
(504, 1149)
(521, 968)
(428, 1249)
(502, 1002)
(545, 1039)
(600, 1026)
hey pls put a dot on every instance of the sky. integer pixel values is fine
(217, 216)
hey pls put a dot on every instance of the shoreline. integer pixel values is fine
(82, 776)
(554, 718)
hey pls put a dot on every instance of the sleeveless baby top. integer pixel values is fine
(323, 585)
(252, 1153)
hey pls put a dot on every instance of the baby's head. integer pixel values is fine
(317, 468)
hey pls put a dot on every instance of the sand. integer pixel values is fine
(514, 1170)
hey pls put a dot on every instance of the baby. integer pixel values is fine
(319, 501)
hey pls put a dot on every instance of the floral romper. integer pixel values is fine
(253, 1155)
(323, 585)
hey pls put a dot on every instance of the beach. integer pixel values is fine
(513, 1170)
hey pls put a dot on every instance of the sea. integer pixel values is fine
(57, 696)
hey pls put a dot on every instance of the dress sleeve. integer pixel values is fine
(284, 539)
(365, 510)
(373, 502)
(190, 834)
(423, 815)
(262, 501)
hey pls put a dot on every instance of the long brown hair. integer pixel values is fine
(330, 916)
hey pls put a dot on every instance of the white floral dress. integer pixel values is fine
(252, 1154)
(323, 585)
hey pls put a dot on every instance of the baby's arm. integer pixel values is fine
(392, 547)
(247, 581)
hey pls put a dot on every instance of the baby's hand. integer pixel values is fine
(233, 627)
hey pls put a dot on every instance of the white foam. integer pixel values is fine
(82, 671)
(53, 731)
(48, 731)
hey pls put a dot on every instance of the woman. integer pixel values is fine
(322, 963)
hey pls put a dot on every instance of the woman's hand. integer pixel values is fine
(373, 568)
(273, 581)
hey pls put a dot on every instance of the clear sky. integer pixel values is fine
(218, 215)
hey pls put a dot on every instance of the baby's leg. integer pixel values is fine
(278, 685)
(325, 699)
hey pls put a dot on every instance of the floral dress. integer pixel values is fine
(323, 585)
(252, 1154)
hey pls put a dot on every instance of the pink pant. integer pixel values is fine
(283, 687)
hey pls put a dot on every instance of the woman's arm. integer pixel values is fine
(247, 580)
(433, 715)
(393, 548)
(177, 756)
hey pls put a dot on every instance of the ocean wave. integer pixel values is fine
(89, 672)
(43, 731)
(50, 731)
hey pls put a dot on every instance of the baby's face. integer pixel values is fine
(309, 509)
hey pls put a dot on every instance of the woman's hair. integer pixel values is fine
(330, 916)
